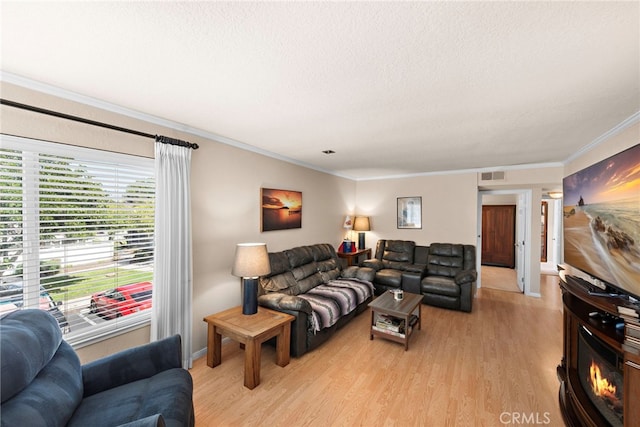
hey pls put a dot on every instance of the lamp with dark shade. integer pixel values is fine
(361, 223)
(251, 261)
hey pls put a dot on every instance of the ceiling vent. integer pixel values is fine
(492, 176)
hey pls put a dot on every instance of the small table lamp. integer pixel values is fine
(361, 223)
(348, 224)
(251, 261)
(346, 243)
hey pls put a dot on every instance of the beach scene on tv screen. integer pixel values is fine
(601, 206)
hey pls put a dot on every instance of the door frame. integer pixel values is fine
(555, 232)
(523, 242)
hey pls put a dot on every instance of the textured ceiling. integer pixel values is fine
(393, 88)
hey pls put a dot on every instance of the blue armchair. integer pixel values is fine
(43, 383)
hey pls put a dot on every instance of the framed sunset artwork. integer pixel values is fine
(281, 209)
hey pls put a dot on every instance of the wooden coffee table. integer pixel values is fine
(250, 331)
(385, 304)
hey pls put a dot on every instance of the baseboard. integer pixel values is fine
(203, 351)
(200, 353)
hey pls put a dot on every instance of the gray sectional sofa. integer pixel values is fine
(399, 264)
(443, 273)
(309, 283)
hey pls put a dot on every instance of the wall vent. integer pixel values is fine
(492, 176)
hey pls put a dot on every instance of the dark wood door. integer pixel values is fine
(499, 235)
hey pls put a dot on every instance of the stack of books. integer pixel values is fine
(393, 325)
(390, 323)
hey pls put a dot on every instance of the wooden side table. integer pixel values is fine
(354, 256)
(403, 309)
(250, 331)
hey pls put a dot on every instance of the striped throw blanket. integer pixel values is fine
(335, 299)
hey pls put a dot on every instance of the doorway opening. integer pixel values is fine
(526, 222)
(551, 237)
(503, 218)
(498, 236)
(498, 242)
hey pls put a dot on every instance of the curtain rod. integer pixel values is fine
(157, 138)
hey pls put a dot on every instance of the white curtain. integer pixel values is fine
(172, 277)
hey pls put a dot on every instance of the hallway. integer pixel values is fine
(500, 278)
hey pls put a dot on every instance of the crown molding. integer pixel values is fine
(113, 108)
(93, 102)
(86, 100)
(628, 122)
(463, 171)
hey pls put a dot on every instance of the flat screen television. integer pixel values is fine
(601, 224)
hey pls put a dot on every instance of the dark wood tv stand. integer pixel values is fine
(576, 408)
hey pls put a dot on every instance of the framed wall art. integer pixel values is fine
(281, 209)
(409, 212)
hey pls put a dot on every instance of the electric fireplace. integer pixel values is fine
(600, 371)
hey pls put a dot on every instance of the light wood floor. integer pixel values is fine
(500, 278)
(461, 369)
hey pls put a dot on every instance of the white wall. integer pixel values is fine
(448, 208)
(500, 199)
(618, 142)
(226, 184)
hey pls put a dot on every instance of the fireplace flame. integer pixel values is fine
(601, 386)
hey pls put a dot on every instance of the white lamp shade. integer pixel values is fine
(361, 223)
(251, 260)
(348, 222)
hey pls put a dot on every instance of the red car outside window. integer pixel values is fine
(122, 300)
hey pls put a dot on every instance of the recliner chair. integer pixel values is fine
(450, 279)
(392, 258)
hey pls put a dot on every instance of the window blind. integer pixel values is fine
(76, 236)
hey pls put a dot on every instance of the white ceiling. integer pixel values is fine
(393, 88)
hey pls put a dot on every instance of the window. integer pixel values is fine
(76, 236)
